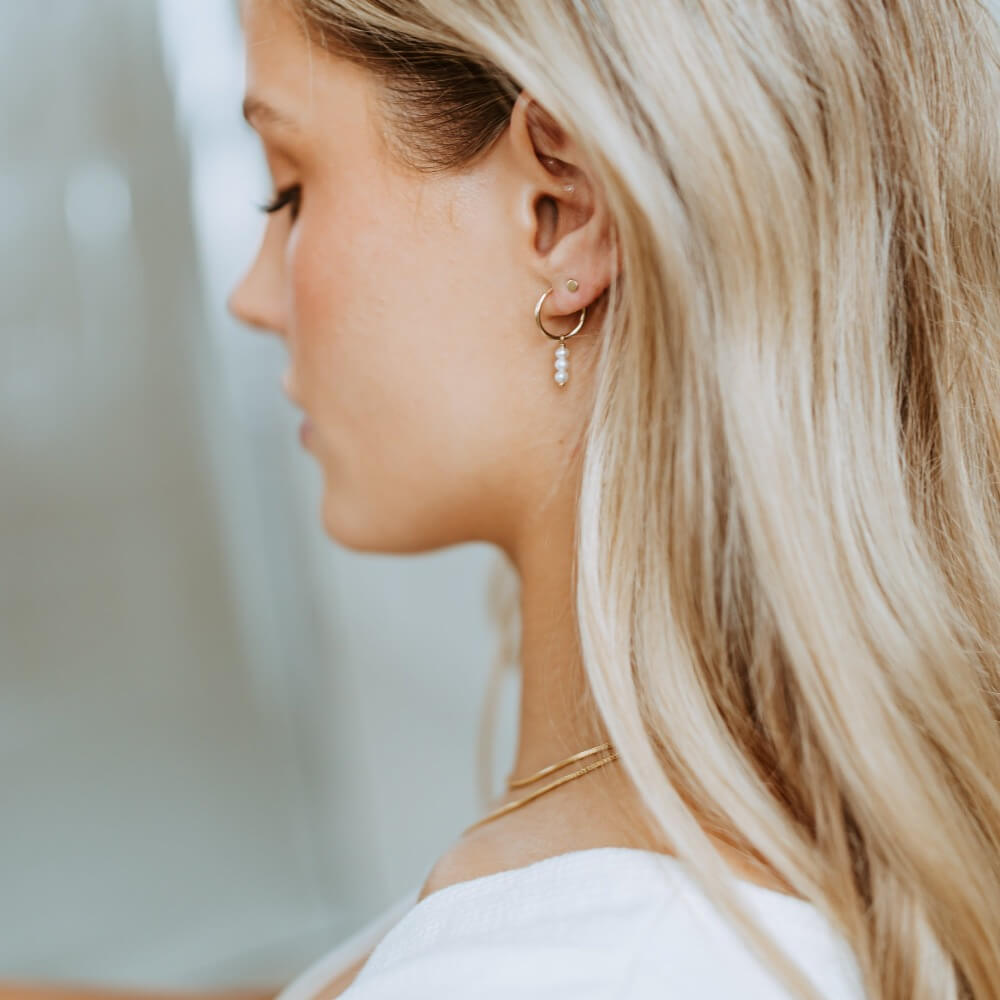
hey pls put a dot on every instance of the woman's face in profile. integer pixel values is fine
(406, 304)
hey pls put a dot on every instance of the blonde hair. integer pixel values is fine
(788, 549)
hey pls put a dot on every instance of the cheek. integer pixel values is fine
(387, 290)
(360, 304)
(409, 363)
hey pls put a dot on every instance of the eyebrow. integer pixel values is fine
(257, 109)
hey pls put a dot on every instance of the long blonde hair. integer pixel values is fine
(788, 549)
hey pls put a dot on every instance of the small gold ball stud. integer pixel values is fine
(572, 285)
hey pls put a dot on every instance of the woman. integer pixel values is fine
(690, 308)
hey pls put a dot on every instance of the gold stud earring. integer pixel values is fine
(571, 284)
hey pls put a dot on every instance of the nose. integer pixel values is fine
(248, 303)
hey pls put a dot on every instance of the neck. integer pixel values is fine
(556, 710)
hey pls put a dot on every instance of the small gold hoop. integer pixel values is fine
(557, 336)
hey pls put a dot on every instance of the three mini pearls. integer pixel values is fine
(562, 351)
(562, 364)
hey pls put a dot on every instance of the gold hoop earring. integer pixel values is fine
(562, 351)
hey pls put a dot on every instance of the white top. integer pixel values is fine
(592, 924)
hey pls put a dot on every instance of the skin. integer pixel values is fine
(406, 302)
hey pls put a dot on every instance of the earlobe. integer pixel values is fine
(564, 215)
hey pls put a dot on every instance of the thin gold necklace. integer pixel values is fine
(510, 806)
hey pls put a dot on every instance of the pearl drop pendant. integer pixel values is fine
(562, 364)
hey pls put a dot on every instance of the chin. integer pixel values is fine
(360, 527)
(347, 526)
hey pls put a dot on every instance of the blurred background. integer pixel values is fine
(225, 742)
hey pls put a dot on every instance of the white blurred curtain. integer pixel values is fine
(224, 741)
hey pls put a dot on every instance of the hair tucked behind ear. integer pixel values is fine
(788, 582)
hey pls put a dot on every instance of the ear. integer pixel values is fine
(561, 211)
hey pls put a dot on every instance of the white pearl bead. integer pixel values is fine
(561, 351)
(562, 364)
(562, 377)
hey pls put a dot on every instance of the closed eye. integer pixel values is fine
(287, 196)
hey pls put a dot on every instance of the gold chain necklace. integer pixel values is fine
(613, 755)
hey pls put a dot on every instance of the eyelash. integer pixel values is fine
(290, 195)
